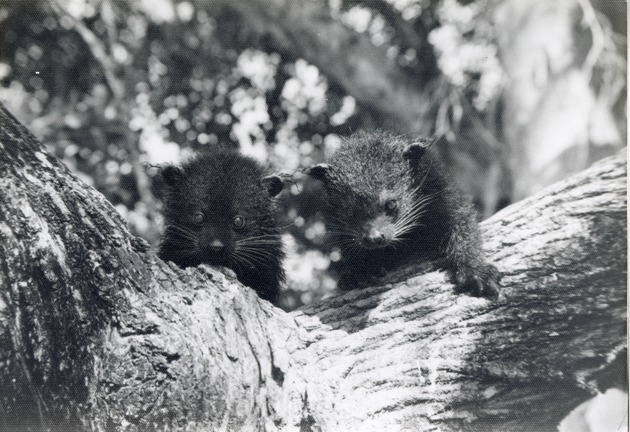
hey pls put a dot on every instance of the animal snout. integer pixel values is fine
(377, 232)
(374, 238)
(216, 245)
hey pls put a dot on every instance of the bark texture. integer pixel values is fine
(98, 334)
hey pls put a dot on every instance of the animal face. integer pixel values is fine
(374, 200)
(219, 211)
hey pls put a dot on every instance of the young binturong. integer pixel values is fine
(389, 203)
(219, 209)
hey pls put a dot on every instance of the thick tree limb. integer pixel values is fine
(96, 333)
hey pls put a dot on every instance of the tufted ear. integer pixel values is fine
(320, 172)
(417, 149)
(273, 183)
(172, 174)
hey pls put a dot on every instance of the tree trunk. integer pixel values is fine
(552, 54)
(96, 333)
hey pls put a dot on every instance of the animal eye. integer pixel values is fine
(238, 222)
(391, 205)
(198, 218)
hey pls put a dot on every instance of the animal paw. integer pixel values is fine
(482, 281)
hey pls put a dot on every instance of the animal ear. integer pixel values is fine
(417, 149)
(319, 171)
(274, 184)
(172, 174)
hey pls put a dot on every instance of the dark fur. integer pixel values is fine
(372, 168)
(222, 185)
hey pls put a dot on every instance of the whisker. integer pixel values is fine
(407, 227)
(180, 242)
(256, 254)
(345, 240)
(180, 232)
(283, 227)
(180, 228)
(180, 237)
(342, 235)
(261, 253)
(352, 251)
(409, 218)
(244, 259)
(260, 245)
(254, 262)
(343, 223)
(261, 236)
(407, 230)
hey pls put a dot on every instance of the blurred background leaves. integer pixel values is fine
(518, 93)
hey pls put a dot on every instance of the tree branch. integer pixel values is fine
(307, 30)
(96, 333)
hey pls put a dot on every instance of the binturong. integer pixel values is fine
(219, 209)
(389, 203)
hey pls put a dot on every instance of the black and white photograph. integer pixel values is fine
(313, 215)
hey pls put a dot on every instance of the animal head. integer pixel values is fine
(219, 210)
(374, 196)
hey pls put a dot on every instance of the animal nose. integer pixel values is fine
(374, 238)
(216, 245)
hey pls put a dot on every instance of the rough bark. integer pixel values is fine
(98, 334)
